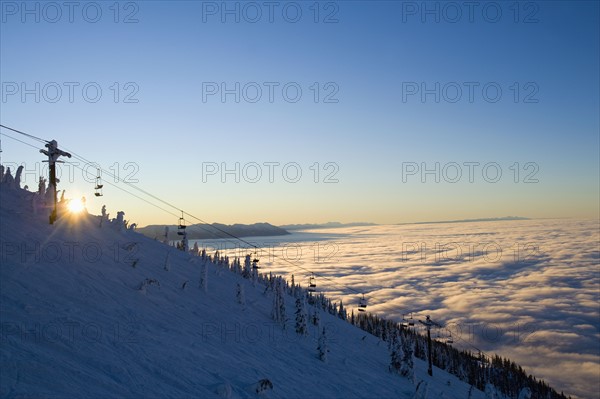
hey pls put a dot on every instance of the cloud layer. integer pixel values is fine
(527, 290)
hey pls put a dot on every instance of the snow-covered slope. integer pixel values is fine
(76, 323)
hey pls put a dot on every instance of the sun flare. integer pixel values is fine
(76, 206)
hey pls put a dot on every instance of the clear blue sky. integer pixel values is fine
(369, 56)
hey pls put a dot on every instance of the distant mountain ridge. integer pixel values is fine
(328, 225)
(215, 230)
(500, 219)
(331, 225)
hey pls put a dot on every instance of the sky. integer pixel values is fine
(308, 112)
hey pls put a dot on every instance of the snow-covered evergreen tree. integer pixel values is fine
(342, 312)
(204, 276)
(322, 348)
(315, 319)
(8, 179)
(301, 327)
(278, 311)
(119, 222)
(396, 356)
(406, 362)
(282, 309)
(247, 267)
(18, 177)
(41, 187)
(185, 243)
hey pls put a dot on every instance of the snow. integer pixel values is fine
(75, 322)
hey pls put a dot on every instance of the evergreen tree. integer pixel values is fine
(247, 273)
(342, 312)
(315, 319)
(322, 348)
(8, 179)
(396, 357)
(18, 177)
(278, 310)
(282, 310)
(301, 327)
(204, 277)
(41, 187)
(184, 243)
(406, 362)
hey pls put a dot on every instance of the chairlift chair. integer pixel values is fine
(410, 322)
(312, 286)
(181, 226)
(99, 185)
(362, 304)
(255, 261)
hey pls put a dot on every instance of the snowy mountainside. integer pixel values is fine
(91, 308)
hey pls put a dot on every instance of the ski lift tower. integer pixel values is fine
(428, 323)
(53, 153)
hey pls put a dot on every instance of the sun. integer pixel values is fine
(76, 206)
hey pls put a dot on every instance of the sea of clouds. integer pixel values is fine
(528, 290)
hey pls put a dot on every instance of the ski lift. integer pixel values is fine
(181, 226)
(410, 322)
(255, 261)
(99, 185)
(362, 304)
(312, 286)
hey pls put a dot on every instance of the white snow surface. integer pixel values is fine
(75, 323)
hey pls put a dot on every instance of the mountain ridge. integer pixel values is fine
(214, 231)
